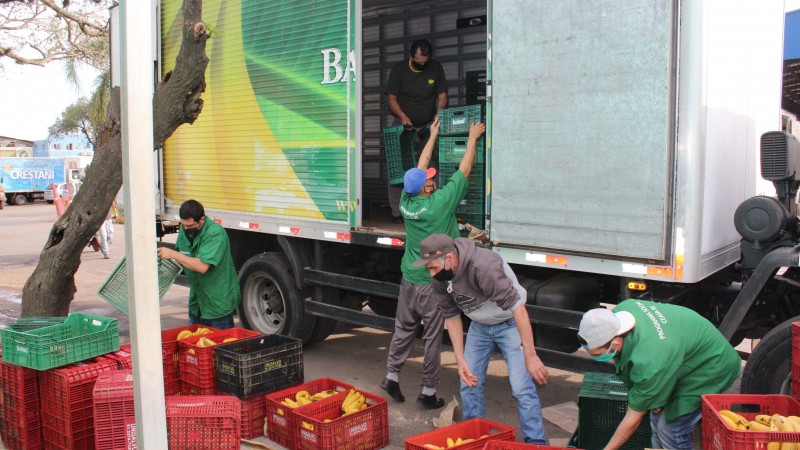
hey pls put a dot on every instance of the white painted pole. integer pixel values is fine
(138, 160)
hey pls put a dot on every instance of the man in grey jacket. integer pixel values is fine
(477, 282)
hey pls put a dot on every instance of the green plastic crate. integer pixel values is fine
(32, 323)
(452, 149)
(602, 403)
(398, 145)
(115, 289)
(456, 121)
(80, 337)
(471, 209)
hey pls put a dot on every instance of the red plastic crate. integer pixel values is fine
(280, 427)
(203, 422)
(169, 342)
(509, 445)
(197, 364)
(67, 403)
(123, 357)
(472, 428)
(191, 389)
(796, 360)
(20, 418)
(367, 429)
(717, 435)
(254, 410)
(114, 412)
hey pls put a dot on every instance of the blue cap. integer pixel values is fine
(414, 179)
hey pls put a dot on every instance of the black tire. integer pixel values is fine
(20, 200)
(271, 303)
(769, 368)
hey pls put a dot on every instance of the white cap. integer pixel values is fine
(599, 326)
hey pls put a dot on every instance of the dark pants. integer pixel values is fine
(220, 323)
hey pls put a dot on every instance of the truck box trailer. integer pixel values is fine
(25, 179)
(621, 139)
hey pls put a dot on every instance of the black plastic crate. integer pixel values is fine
(476, 87)
(602, 403)
(259, 365)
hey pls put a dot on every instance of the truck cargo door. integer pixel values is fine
(582, 113)
(275, 136)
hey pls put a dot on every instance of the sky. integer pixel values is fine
(34, 97)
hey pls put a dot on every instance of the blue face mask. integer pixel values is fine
(607, 356)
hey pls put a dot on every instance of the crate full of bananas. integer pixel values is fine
(743, 422)
(357, 419)
(472, 434)
(197, 354)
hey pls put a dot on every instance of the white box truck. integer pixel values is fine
(622, 137)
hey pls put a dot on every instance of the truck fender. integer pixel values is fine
(298, 252)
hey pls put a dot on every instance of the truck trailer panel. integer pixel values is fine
(617, 158)
(275, 138)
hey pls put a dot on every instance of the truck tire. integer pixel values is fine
(20, 199)
(271, 303)
(769, 368)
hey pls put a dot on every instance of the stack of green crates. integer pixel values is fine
(602, 403)
(476, 87)
(454, 132)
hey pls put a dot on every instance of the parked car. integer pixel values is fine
(63, 191)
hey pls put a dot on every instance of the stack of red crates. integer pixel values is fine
(368, 428)
(67, 403)
(20, 420)
(172, 368)
(205, 421)
(197, 363)
(123, 357)
(114, 412)
(280, 418)
(796, 360)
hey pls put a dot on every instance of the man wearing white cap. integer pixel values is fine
(668, 356)
(425, 210)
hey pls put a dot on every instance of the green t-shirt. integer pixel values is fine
(671, 357)
(215, 293)
(425, 215)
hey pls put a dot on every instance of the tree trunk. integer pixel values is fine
(51, 288)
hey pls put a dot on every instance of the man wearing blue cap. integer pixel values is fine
(425, 210)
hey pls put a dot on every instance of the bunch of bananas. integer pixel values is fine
(765, 422)
(454, 442)
(303, 398)
(205, 342)
(354, 402)
(187, 333)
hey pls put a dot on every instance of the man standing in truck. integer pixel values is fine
(668, 356)
(203, 249)
(426, 210)
(415, 91)
(477, 282)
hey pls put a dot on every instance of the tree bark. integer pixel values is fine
(51, 287)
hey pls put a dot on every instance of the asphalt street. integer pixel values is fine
(353, 355)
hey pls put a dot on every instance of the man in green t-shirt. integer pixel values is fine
(426, 210)
(203, 249)
(415, 91)
(668, 356)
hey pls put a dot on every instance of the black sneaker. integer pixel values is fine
(393, 389)
(430, 401)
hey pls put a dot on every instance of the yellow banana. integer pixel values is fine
(230, 339)
(729, 422)
(308, 426)
(458, 441)
(300, 394)
(739, 420)
(184, 334)
(758, 426)
(450, 442)
(795, 422)
(290, 403)
(764, 418)
(773, 426)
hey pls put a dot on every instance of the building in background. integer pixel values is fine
(12, 147)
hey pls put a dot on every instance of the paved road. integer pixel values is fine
(353, 355)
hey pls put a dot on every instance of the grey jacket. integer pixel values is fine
(485, 288)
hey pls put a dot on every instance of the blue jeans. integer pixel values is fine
(676, 434)
(221, 323)
(478, 350)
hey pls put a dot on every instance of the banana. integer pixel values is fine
(795, 422)
(230, 339)
(729, 422)
(450, 442)
(432, 447)
(290, 403)
(184, 334)
(758, 426)
(300, 394)
(201, 330)
(773, 426)
(308, 426)
(764, 418)
(740, 421)
(459, 441)
(784, 425)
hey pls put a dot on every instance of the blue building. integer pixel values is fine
(67, 145)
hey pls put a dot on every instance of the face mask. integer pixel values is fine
(605, 357)
(444, 275)
(191, 234)
(418, 66)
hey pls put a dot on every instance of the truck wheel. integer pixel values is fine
(20, 199)
(769, 368)
(271, 303)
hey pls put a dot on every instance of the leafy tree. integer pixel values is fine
(85, 116)
(177, 100)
